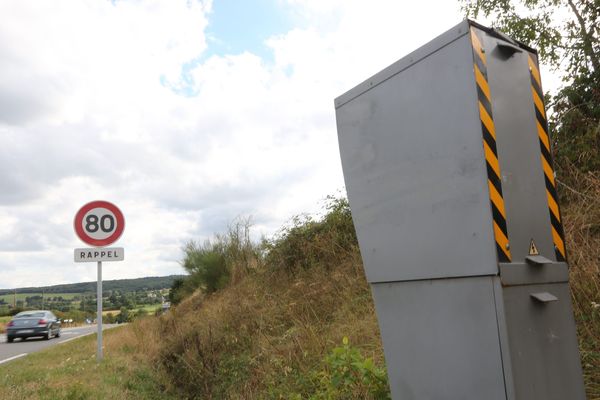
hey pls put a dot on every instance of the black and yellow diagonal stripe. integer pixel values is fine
(542, 128)
(490, 151)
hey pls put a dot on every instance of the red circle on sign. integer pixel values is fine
(85, 236)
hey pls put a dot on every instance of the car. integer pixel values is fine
(27, 324)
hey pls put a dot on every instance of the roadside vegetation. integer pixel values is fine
(294, 319)
(290, 317)
(70, 371)
(581, 214)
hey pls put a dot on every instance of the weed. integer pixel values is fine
(581, 218)
(349, 375)
(307, 242)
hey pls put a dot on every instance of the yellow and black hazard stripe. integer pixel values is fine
(490, 150)
(558, 235)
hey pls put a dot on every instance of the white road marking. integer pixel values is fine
(69, 339)
(13, 358)
(80, 333)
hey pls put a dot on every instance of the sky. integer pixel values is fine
(186, 114)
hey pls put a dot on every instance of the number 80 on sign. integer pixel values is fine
(99, 223)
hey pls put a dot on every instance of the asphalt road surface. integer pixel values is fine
(20, 348)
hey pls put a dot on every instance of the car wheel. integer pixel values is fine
(10, 339)
(47, 336)
(57, 333)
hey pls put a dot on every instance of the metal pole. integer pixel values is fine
(99, 316)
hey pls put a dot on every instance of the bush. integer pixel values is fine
(123, 316)
(206, 265)
(575, 125)
(212, 265)
(109, 318)
(348, 375)
(15, 311)
(308, 242)
(177, 292)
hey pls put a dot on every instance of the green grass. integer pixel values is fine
(9, 298)
(70, 371)
(150, 308)
(21, 296)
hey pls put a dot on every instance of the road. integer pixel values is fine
(19, 348)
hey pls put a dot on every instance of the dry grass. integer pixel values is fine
(581, 216)
(261, 338)
(266, 334)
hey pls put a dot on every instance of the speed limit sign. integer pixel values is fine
(99, 223)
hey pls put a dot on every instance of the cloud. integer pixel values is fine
(124, 101)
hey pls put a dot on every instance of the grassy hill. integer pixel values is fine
(284, 326)
(300, 322)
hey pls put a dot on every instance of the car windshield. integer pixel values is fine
(30, 315)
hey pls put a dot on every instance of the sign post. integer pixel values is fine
(99, 223)
(99, 311)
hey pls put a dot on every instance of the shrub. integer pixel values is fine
(206, 265)
(348, 375)
(123, 316)
(109, 318)
(177, 292)
(215, 263)
(309, 242)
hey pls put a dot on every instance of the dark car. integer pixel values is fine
(33, 323)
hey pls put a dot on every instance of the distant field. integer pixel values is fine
(9, 298)
(151, 308)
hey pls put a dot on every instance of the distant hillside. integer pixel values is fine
(123, 285)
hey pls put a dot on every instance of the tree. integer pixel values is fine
(206, 264)
(177, 293)
(109, 318)
(542, 24)
(123, 316)
(567, 36)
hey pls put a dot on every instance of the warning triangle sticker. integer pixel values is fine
(533, 251)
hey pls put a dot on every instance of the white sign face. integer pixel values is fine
(95, 254)
(99, 223)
